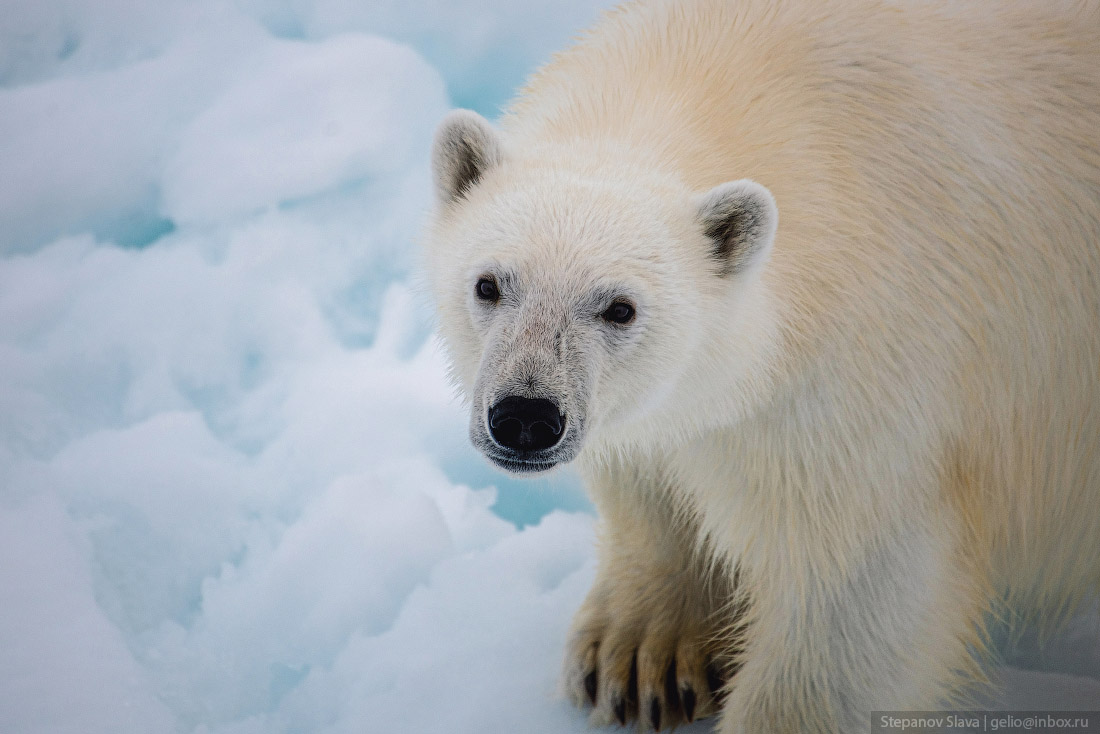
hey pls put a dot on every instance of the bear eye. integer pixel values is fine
(619, 312)
(486, 289)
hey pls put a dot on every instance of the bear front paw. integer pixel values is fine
(660, 669)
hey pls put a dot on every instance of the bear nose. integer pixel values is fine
(524, 424)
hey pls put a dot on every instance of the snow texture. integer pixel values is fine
(235, 491)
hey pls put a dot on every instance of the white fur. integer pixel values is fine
(834, 463)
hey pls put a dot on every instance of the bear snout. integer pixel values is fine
(526, 424)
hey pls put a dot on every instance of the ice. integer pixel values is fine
(64, 667)
(1032, 690)
(236, 494)
(481, 612)
(44, 40)
(485, 50)
(300, 119)
(83, 152)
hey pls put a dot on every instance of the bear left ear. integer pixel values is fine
(466, 145)
(740, 218)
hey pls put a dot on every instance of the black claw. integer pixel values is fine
(672, 695)
(590, 686)
(687, 696)
(620, 710)
(714, 680)
(632, 684)
(655, 713)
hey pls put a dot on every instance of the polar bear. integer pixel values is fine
(810, 294)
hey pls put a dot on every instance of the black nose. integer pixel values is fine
(524, 424)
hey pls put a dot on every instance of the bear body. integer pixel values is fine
(810, 293)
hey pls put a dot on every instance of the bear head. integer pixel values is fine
(577, 286)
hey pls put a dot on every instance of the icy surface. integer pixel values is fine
(235, 490)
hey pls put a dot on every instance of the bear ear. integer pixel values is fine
(466, 145)
(740, 218)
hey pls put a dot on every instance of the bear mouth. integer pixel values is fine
(516, 464)
(525, 462)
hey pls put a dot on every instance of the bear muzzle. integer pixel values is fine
(526, 434)
(526, 424)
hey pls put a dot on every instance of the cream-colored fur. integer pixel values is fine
(874, 432)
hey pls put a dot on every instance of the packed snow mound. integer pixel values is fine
(300, 119)
(236, 495)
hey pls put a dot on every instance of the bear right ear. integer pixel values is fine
(466, 146)
(740, 218)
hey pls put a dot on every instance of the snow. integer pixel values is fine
(236, 494)
(362, 104)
